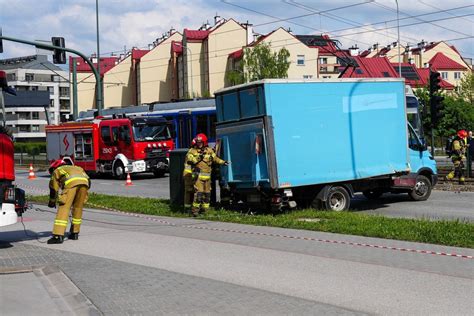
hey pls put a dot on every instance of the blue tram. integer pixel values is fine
(188, 117)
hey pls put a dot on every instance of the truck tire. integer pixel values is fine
(372, 194)
(159, 173)
(119, 171)
(422, 190)
(338, 199)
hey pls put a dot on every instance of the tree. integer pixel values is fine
(466, 88)
(260, 62)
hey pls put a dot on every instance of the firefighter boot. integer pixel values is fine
(56, 239)
(72, 234)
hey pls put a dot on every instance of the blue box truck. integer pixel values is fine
(317, 142)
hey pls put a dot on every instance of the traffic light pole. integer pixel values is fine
(51, 47)
(75, 109)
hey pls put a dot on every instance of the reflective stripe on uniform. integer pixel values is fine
(75, 178)
(196, 204)
(188, 170)
(205, 205)
(204, 176)
(76, 221)
(60, 222)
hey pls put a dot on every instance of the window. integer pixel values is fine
(51, 103)
(105, 133)
(35, 115)
(307, 76)
(323, 60)
(457, 75)
(51, 90)
(201, 124)
(115, 134)
(11, 77)
(444, 75)
(124, 133)
(51, 116)
(35, 128)
(359, 71)
(24, 128)
(300, 60)
(33, 88)
(24, 116)
(29, 77)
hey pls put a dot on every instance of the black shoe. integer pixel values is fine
(73, 236)
(56, 239)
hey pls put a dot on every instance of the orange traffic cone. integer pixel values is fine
(31, 175)
(129, 180)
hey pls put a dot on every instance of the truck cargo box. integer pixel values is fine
(284, 133)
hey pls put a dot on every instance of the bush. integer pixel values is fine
(32, 149)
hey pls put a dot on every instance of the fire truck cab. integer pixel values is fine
(114, 146)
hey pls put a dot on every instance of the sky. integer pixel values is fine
(136, 23)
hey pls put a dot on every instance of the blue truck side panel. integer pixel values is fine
(323, 132)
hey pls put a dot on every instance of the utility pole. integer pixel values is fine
(99, 83)
(75, 109)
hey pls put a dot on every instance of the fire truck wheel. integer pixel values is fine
(119, 171)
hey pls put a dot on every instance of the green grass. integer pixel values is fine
(450, 233)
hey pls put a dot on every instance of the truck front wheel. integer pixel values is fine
(337, 199)
(422, 189)
(119, 171)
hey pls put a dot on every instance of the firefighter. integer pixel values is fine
(74, 184)
(201, 158)
(458, 152)
(188, 178)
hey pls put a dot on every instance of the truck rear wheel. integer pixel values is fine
(159, 173)
(422, 189)
(119, 171)
(337, 199)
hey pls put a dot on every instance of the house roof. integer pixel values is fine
(441, 62)
(177, 47)
(237, 54)
(196, 35)
(39, 62)
(106, 63)
(417, 50)
(375, 67)
(137, 54)
(325, 44)
(425, 74)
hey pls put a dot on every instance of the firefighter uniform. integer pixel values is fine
(74, 184)
(458, 153)
(188, 185)
(201, 160)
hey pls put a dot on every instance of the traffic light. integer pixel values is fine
(59, 55)
(436, 101)
(435, 82)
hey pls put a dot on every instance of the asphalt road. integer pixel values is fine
(156, 265)
(441, 204)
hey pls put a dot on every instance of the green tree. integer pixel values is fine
(466, 88)
(260, 62)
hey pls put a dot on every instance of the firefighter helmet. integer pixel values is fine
(462, 134)
(201, 138)
(54, 164)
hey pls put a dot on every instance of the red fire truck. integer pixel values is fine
(115, 146)
(12, 199)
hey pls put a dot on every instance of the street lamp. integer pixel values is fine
(191, 65)
(99, 83)
(398, 44)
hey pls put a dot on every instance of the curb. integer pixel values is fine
(63, 292)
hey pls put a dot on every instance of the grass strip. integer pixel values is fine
(442, 232)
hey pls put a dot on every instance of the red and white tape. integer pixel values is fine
(340, 242)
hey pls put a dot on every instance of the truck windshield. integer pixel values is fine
(146, 132)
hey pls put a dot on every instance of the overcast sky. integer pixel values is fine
(128, 23)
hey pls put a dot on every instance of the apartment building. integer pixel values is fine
(120, 81)
(86, 97)
(303, 58)
(35, 77)
(157, 76)
(205, 55)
